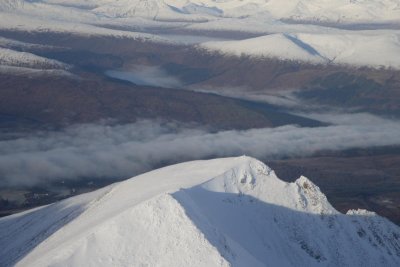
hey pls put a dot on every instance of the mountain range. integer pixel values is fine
(344, 32)
(318, 10)
(138, 84)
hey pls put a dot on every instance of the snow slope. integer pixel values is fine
(222, 212)
(17, 58)
(368, 49)
(9, 57)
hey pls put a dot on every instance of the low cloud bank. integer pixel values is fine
(125, 150)
(146, 75)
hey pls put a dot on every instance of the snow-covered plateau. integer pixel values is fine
(221, 212)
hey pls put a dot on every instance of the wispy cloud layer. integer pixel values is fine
(125, 150)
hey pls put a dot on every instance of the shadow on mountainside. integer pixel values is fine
(245, 231)
(243, 227)
(20, 234)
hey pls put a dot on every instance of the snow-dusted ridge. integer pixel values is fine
(16, 60)
(222, 212)
(302, 40)
(311, 10)
(9, 57)
(352, 49)
(14, 44)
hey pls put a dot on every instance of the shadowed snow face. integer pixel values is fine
(126, 150)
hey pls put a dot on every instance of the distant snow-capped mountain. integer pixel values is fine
(318, 10)
(222, 212)
(347, 32)
(336, 11)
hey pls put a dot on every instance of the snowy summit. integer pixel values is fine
(222, 212)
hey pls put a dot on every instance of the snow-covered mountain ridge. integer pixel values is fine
(365, 49)
(222, 212)
(9, 57)
(356, 32)
(315, 10)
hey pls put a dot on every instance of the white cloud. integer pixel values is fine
(146, 75)
(125, 150)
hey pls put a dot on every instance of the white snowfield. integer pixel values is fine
(302, 30)
(221, 212)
